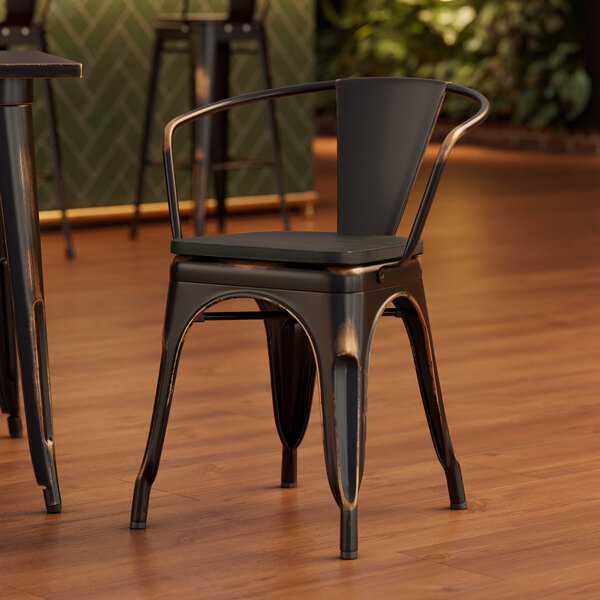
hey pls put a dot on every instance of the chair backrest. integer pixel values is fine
(384, 126)
(240, 11)
(19, 12)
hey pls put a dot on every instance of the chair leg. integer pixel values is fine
(182, 305)
(342, 326)
(293, 370)
(59, 179)
(417, 326)
(9, 383)
(152, 91)
(274, 133)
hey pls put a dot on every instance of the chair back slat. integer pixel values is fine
(19, 12)
(384, 126)
(241, 11)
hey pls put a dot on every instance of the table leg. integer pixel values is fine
(21, 226)
(9, 378)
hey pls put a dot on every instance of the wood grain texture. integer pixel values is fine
(511, 268)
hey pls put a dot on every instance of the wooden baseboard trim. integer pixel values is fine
(122, 213)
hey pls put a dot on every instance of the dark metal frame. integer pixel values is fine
(209, 38)
(21, 28)
(320, 315)
(22, 312)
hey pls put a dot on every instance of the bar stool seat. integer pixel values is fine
(208, 38)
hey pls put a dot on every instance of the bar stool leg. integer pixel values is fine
(59, 180)
(20, 214)
(219, 135)
(277, 164)
(57, 165)
(204, 51)
(153, 86)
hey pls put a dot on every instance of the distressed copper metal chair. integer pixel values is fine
(321, 293)
(210, 40)
(21, 27)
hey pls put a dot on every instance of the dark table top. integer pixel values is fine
(31, 64)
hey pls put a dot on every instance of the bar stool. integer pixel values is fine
(209, 37)
(20, 27)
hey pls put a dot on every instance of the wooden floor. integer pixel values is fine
(512, 272)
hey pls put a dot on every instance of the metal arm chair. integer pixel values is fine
(21, 27)
(321, 293)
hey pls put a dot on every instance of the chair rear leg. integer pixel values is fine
(417, 327)
(293, 370)
(181, 308)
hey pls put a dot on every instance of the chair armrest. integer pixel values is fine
(211, 109)
(440, 161)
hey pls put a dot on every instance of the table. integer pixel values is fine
(21, 261)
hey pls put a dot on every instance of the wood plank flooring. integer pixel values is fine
(512, 273)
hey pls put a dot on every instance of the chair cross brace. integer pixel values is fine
(258, 315)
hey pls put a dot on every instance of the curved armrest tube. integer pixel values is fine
(440, 161)
(211, 109)
(307, 88)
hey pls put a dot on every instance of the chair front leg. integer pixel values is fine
(342, 327)
(182, 304)
(417, 326)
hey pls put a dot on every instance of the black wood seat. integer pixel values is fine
(310, 247)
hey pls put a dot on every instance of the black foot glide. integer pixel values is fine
(455, 487)
(349, 535)
(15, 427)
(52, 499)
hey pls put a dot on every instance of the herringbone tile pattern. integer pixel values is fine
(101, 116)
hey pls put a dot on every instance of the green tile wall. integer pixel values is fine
(101, 116)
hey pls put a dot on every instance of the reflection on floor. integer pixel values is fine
(512, 271)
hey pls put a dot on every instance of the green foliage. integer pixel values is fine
(525, 55)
